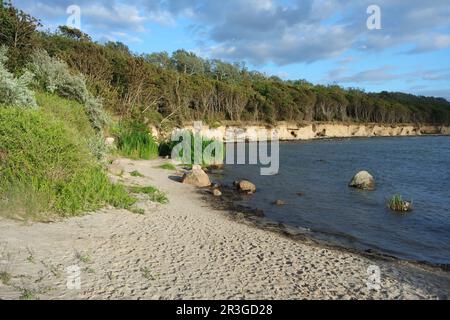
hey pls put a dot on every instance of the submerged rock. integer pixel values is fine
(216, 166)
(363, 180)
(245, 186)
(279, 203)
(407, 206)
(196, 177)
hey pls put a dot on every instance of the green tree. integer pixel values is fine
(18, 33)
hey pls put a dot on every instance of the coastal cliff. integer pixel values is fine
(310, 131)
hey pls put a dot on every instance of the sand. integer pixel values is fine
(188, 250)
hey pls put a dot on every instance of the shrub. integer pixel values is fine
(55, 76)
(47, 169)
(98, 147)
(166, 148)
(14, 91)
(135, 141)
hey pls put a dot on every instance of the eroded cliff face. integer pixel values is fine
(293, 132)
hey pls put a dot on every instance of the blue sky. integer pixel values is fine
(322, 41)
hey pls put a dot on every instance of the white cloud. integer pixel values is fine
(278, 31)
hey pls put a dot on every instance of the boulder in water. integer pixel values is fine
(363, 180)
(245, 186)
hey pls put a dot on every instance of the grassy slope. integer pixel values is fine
(46, 167)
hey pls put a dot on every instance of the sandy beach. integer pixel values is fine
(188, 250)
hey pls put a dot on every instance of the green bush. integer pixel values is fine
(135, 141)
(55, 76)
(46, 168)
(167, 147)
(14, 91)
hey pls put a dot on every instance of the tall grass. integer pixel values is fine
(73, 114)
(396, 203)
(135, 141)
(166, 148)
(47, 169)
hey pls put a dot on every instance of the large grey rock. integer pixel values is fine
(196, 177)
(363, 180)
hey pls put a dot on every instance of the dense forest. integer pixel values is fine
(169, 89)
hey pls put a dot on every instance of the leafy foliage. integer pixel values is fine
(195, 153)
(18, 33)
(135, 141)
(14, 91)
(55, 76)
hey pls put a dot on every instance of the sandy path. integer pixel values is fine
(186, 250)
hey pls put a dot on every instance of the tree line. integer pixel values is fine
(169, 89)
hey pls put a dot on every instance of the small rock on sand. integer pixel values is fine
(217, 193)
(363, 180)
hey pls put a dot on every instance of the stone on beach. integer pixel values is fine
(196, 177)
(363, 180)
(217, 193)
(245, 186)
(115, 169)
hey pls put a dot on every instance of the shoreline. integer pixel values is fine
(188, 250)
(257, 219)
